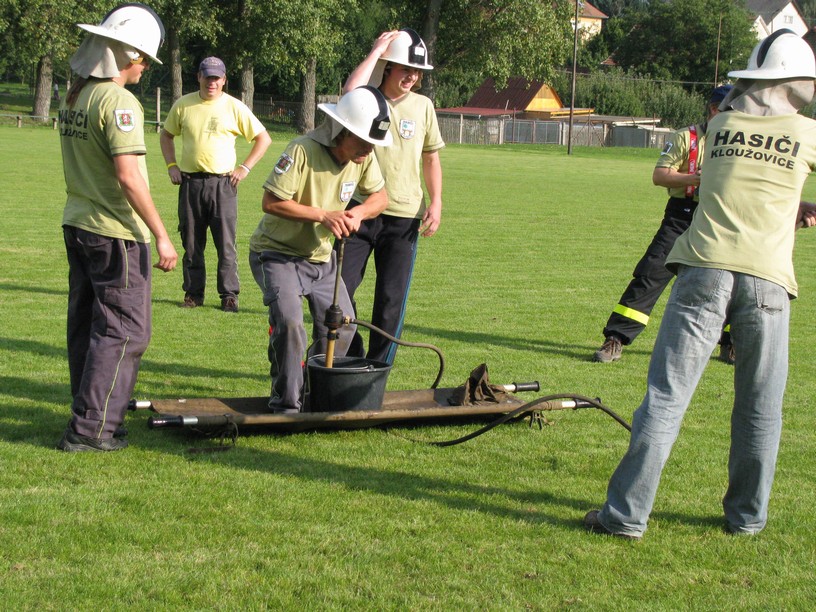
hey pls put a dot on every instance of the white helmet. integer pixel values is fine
(407, 49)
(364, 112)
(133, 24)
(782, 55)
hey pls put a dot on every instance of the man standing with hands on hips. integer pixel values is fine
(208, 122)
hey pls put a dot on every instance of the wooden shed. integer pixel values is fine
(521, 98)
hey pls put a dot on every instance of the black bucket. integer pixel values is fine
(354, 383)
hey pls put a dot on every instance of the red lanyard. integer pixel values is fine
(692, 158)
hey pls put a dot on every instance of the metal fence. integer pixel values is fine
(460, 129)
(464, 129)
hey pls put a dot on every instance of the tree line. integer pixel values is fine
(299, 49)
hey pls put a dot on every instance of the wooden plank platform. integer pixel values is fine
(397, 406)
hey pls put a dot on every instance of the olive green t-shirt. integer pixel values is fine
(675, 155)
(309, 175)
(415, 131)
(106, 120)
(750, 190)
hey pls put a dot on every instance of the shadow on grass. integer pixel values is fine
(43, 427)
(34, 289)
(575, 351)
(454, 494)
(180, 370)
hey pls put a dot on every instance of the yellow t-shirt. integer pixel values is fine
(106, 120)
(751, 186)
(307, 174)
(208, 130)
(415, 131)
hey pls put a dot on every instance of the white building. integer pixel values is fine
(773, 15)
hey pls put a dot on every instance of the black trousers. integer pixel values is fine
(108, 326)
(208, 202)
(393, 241)
(650, 276)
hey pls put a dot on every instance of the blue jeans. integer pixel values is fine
(700, 300)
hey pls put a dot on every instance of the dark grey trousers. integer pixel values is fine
(108, 326)
(208, 202)
(285, 281)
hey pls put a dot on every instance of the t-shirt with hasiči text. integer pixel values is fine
(750, 190)
(106, 120)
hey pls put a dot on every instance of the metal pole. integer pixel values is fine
(334, 316)
(717, 62)
(574, 66)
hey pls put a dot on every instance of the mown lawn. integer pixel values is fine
(535, 249)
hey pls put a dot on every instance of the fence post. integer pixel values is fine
(461, 127)
(53, 123)
(19, 121)
(158, 110)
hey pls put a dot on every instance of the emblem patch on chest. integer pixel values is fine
(284, 163)
(124, 119)
(346, 191)
(407, 128)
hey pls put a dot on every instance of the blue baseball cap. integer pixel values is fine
(718, 94)
(212, 66)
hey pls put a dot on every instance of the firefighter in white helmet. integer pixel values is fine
(108, 220)
(395, 65)
(734, 262)
(305, 207)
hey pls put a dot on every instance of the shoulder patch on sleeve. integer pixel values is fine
(284, 164)
(124, 119)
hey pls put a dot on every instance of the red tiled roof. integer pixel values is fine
(590, 12)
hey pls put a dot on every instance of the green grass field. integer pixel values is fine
(534, 250)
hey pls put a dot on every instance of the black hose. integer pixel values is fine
(581, 402)
(435, 349)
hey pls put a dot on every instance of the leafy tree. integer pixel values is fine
(288, 38)
(191, 26)
(470, 40)
(38, 40)
(499, 39)
(808, 8)
(678, 40)
(614, 92)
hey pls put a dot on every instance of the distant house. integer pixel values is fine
(520, 98)
(590, 20)
(773, 15)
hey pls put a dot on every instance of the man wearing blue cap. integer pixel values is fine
(678, 170)
(209, 121)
